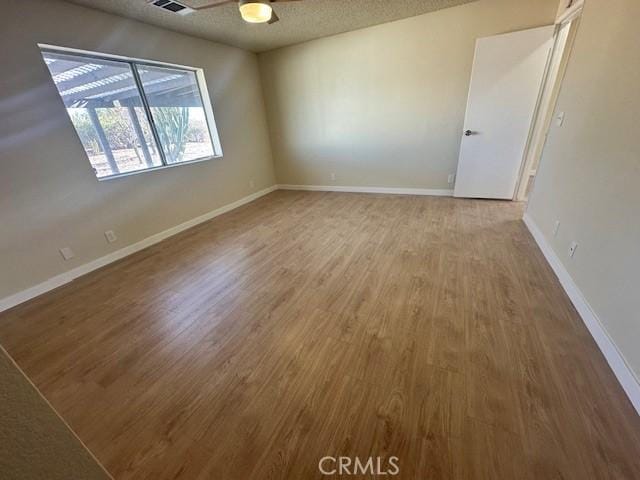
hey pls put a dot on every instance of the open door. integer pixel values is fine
(505, 84)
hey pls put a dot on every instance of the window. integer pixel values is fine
(131, 115)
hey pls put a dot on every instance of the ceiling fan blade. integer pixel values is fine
(274, 17)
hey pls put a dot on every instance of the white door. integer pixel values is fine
(505, 84)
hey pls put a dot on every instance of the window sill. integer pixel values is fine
(155, 169)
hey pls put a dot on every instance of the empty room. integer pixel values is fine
(308, 239)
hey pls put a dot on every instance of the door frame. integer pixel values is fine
(568, 10)
(544, 112)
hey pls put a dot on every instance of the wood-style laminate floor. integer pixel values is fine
(307, 325)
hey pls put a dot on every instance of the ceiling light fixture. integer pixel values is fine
(256, 11)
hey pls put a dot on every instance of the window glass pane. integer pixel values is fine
(176, 106)
(106, 109)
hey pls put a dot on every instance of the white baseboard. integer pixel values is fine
(387, 190)
(616, 361)
(70, 275)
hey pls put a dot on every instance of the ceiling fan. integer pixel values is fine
(252, 11)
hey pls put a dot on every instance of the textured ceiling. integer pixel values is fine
(299, 21)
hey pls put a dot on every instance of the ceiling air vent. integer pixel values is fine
(172, 6)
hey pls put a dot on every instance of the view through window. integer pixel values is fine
(132, 116)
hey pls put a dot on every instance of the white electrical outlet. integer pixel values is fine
(67, 253)
(556, 227)
(333, 176)
(452, 178)
(110, 236)
(252, 183)
(572, 249)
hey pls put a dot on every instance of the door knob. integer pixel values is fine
(468, 133)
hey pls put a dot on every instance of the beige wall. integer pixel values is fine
(35, 444)
(49, 196)
(589, 176)
(383, 106)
